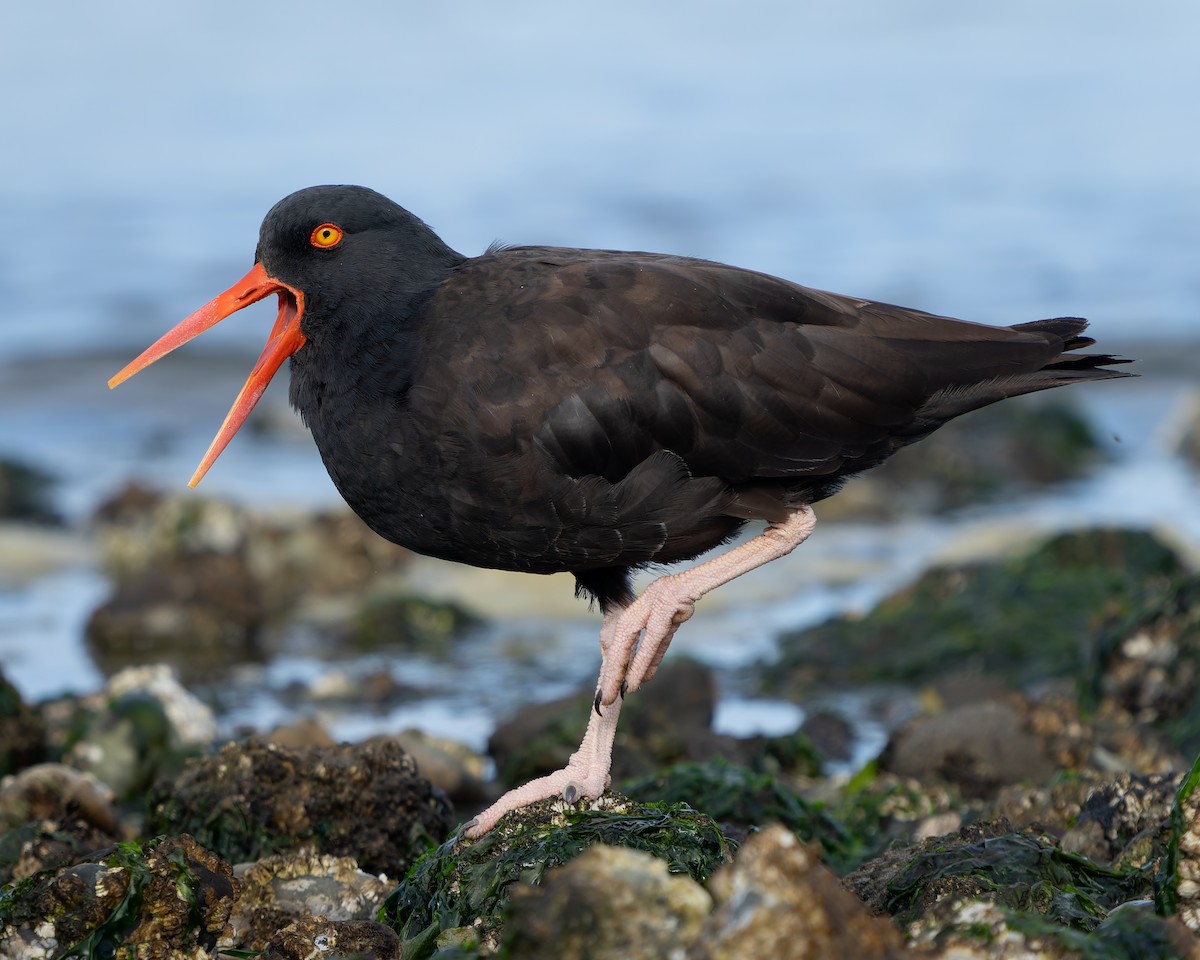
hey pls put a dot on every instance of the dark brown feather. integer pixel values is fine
(545, 409)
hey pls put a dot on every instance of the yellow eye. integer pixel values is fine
(326, 235)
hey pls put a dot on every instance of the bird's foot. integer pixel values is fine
(570, 784)
(669, 601)
(635, 640)
(584, 777)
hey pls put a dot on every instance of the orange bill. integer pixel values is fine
(285, 340)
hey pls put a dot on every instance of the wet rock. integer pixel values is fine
(254, 799)
(977, 748)
(460, 891)
(984, 748)
(289, 555)
(141, 727)
(777, 900)
(1052, 807)
(26, 493)
(1109, 742)
(22, 731)
(831, 735)
(1125, 822)
(200, 613)
(340, 687)
(609, 902)
(1024, 619)
(980, 929)
(164, 898)
(53, 791)
(280, 890)
(312, 937)
(326, 553)
(51, 816)
(1002, 450)
(48, 844)
(404, 621)
(204, 584)
(298, 735)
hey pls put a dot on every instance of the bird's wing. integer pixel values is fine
(640, 381)
(606, 358)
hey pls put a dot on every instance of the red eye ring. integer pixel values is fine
(326, 235)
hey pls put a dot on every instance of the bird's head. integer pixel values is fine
(317, 248)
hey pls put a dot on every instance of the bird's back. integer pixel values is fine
(581, 409)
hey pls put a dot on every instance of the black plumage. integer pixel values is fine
(542, 409)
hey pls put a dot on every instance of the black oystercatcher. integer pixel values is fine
(544, 409)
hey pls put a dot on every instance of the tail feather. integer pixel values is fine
(1070, 330)
(1064, 368)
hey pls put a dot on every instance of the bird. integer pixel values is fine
(547, 409)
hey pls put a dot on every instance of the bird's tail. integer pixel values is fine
(1069, 330)
(1063, 367)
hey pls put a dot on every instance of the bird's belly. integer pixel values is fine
(438, 516)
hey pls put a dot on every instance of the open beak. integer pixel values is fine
(285, 340)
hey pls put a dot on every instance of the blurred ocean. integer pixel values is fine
(998, 162)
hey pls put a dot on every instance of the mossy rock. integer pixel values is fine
(1175, 887)
(1023, 618)
(982, 928)
(1147, 665)
(740, 800)
(1021, 871)
(366, 801)
(877, 810)
(1132, 931)
(407, 621)
(202, 613)
(464, 885)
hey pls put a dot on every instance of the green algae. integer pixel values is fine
(737, 797)
(465, 883)
(1023, 618)
(1019, 871)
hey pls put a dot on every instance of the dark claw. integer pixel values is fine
(596, 703)
(571, 793)
(462, 831)
(624, 689)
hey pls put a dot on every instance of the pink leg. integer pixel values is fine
(670, 600)
(586, 773)
(626, 664)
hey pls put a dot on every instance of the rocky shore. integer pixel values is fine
(1036, 796)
